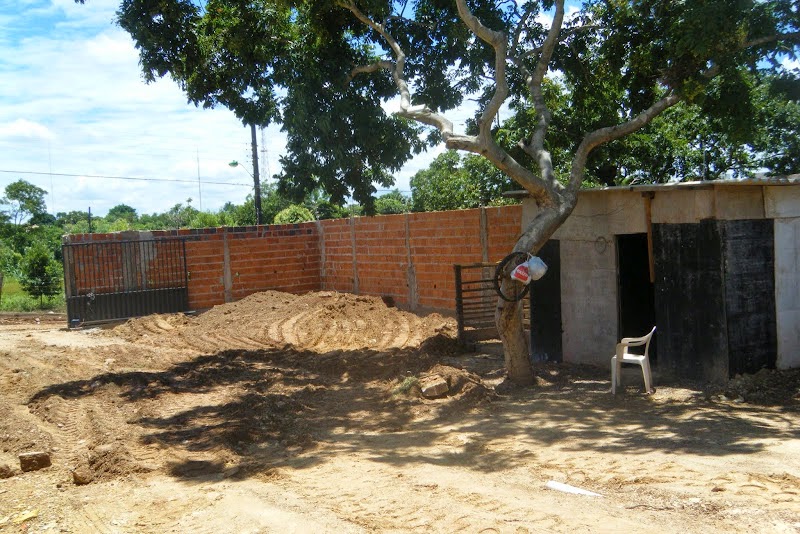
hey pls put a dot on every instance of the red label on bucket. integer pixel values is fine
(521, 273)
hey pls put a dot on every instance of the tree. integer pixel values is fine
(294, 214)
(618, 64)
(23, 200)
(237, 54)
(683, 143)
(40, 272)
(452, 182)
(272, 202)
(9, 260)
(123, 212)
(443, 186)
(179, 215)
(624, 63)
(392, 203)
(69, 218)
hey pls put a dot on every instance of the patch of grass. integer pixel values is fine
(406, 385)
(14, 299)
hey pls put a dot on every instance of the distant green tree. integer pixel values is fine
(452, 182)
(294, 214)
(64, 219)
(122, 211)
(321, 206)
(155, 221)
(326, 209)
(23, 200)
(9, 260)
(180, 215)
(392, 203)
(445, 185)
(42, 219)
(205, 219)
(272, 202)
(40, 273)
(353, 210)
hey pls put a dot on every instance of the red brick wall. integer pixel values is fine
(205, 263)
(504, 226)
(439, 240)
(336, 243)
(382, 257)
(285, 258)
(407, 257)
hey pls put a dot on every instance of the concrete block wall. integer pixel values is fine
(787, 291)
(588, 300)
(784, 205)
(588, 258)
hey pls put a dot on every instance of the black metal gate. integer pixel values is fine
(110, 280)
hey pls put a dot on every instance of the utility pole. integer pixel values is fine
(199, 190)
(257, 183)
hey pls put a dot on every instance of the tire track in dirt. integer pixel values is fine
(412, 501)
(319, 322)
(88, 518)
(90, 434)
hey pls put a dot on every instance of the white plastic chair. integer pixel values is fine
(623, 356)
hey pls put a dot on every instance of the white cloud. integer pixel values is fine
(25, 129)
(75, 104)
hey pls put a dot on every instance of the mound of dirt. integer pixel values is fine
(769, 387)
(320, 322)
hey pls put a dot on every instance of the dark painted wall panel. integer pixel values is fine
(690, 300)
(546, 307)
(750, 294)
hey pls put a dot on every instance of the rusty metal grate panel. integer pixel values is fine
(112, 280)
(476, 302)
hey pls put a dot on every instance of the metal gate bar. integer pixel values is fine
(476, 302)
(111, 280)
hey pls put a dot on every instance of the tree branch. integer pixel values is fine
(521, 25)
(367, 69)
(610, 133)
(794, 36)
(533, 81)
(498, 41)
(421, 114)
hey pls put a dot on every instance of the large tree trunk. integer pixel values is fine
(508, 316)
(515, 344)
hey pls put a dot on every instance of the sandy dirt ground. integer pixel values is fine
(283, 413)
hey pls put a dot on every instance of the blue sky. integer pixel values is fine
(75, 112)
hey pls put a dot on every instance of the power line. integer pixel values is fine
(121, 178)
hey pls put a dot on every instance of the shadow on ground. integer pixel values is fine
(262, 409)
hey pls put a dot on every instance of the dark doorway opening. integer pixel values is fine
(637, 310)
